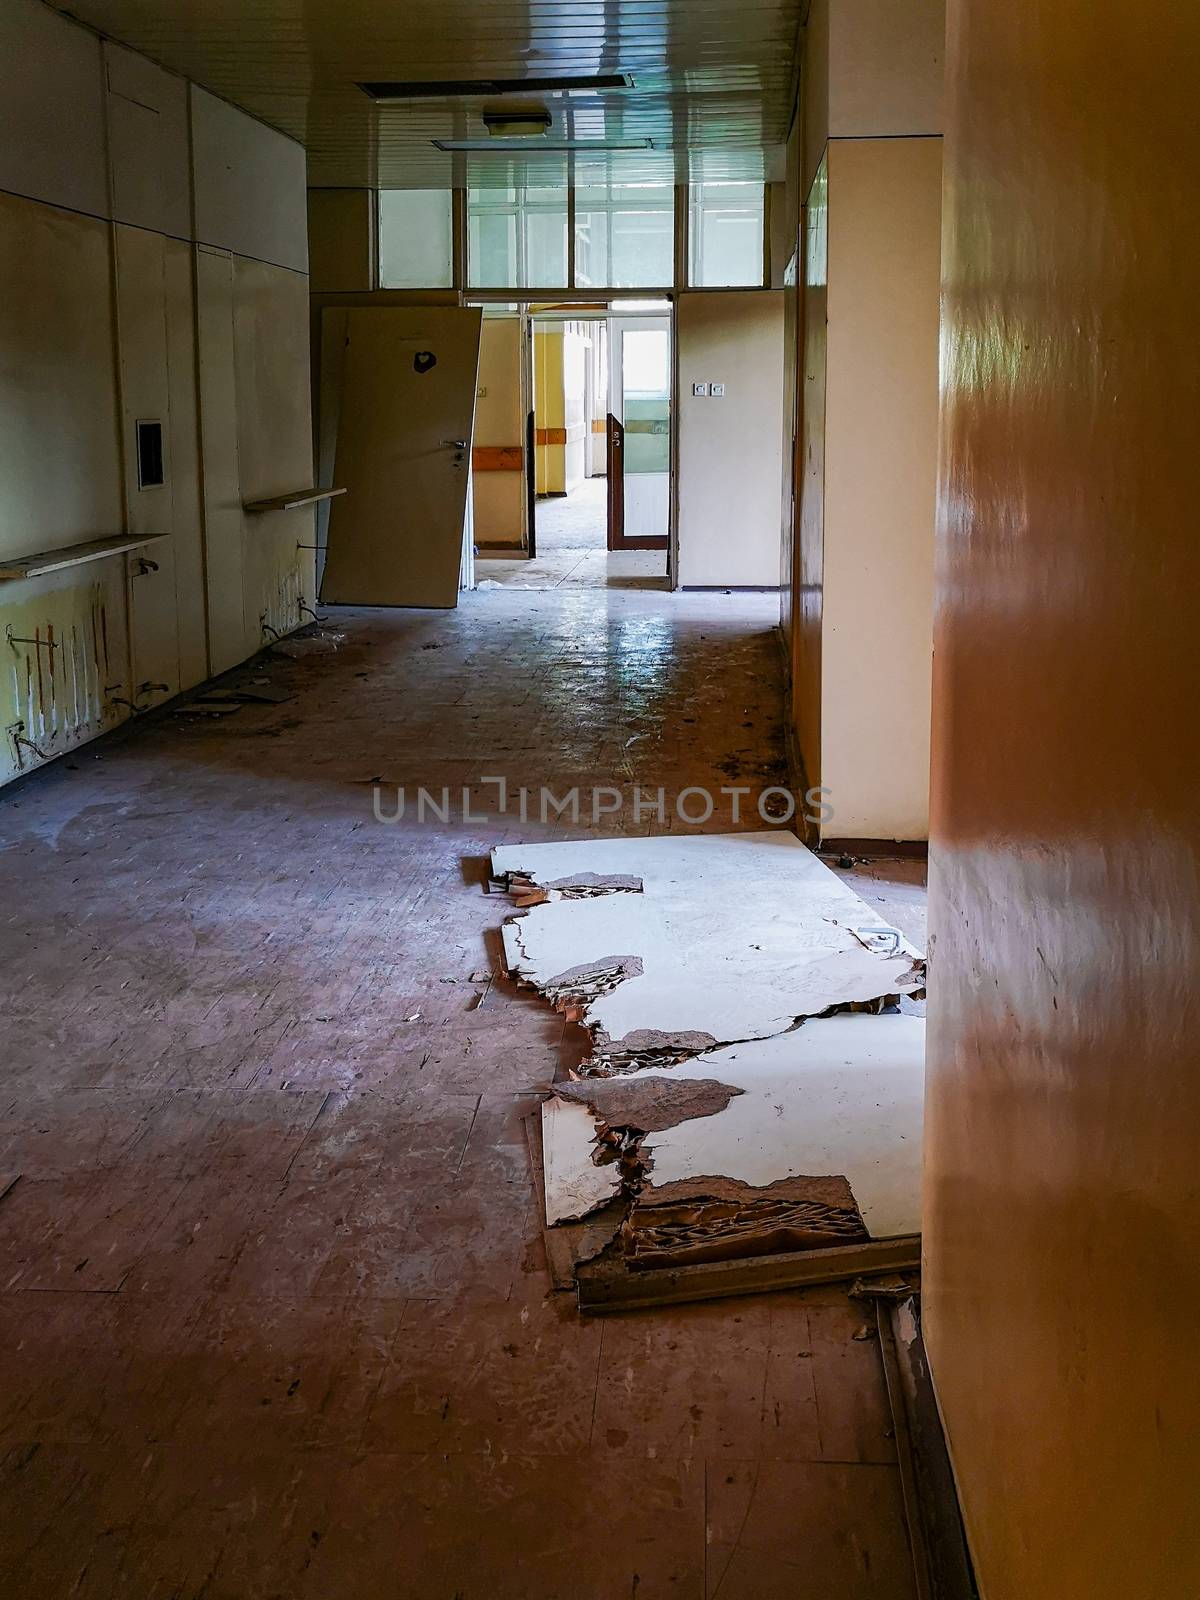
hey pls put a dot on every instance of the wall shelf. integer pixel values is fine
(71, 555)
(290, 502)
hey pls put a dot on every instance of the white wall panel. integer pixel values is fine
(249, 184)
(275, 443)
(145, 397)
(60, 457)
(223, 520)
(148, 144)
(52, 144)
(186, 505)
(730, 449)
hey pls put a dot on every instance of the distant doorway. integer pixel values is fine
(570, 402)
(639, 433)
(602, 420)
(597, 455)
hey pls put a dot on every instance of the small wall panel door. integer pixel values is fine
(223, 517)
(184, 448)
(145, 418)
(402, 454)
(273, 379)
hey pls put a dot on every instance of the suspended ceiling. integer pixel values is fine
(710, 76)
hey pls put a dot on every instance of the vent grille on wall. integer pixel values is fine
(456, 88)
(150, 455)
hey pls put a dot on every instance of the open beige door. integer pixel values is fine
(400, 401)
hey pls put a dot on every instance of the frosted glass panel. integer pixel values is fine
(517, 238)
(726, 235)
(416, 239)
(624, 232)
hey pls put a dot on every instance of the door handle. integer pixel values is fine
(455, 444)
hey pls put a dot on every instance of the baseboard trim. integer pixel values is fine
(941, 1556)
(918, 849)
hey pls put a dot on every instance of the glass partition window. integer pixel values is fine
(624, 231)
(646, 397)
(416, 239)
(726, 223)
(517, 238)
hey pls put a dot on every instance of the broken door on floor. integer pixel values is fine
(397, 412)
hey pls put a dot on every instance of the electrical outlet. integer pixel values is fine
(700, 390)
(717, 390)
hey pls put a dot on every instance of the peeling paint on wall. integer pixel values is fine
(60, 690)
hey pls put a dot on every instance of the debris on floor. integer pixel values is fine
(255, 692)
(753, 1087)
(318, 643)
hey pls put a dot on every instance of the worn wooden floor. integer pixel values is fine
(275, 1320)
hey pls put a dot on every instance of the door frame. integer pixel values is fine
(585, 309)
(617, 538)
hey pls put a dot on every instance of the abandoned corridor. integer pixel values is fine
(276, 1318)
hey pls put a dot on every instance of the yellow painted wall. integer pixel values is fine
(549, 412)
(100, 328)
(870, 69)
(861, 617)
(499, 496)
(880, 467)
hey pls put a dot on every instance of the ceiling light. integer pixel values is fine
(557, 147)
(517, 122)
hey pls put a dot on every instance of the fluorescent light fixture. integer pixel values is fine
(460, 88)
(527, 147)
(517, 122)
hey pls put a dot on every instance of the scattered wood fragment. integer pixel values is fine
(607, 1285)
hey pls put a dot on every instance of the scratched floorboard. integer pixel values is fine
(274, 1315)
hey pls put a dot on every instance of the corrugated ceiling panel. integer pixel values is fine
(713, 75)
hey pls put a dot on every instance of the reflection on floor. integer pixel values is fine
(274, 1310)
(571, 550)
(575, 521)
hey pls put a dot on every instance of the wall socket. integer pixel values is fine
(700, 391)
(717, 390)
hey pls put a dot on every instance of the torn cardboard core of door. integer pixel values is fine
(752, 1086)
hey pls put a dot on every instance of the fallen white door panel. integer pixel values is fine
(840, 1095)
(574, 1184)
(733, 936)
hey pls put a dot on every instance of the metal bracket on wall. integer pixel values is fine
(41, 644)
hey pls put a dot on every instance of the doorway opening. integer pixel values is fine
(597, 385)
